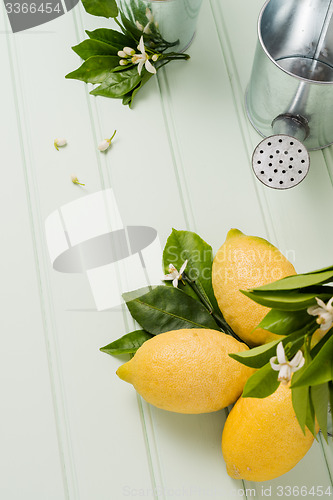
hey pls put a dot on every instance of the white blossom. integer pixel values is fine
(285, 367)
(106, 143)
(59, 142)
(174, 275)
(143, 59)
(75, 180)
(324, 313)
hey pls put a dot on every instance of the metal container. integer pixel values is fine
(291, 86)
(175, 20)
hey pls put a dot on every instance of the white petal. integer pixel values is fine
(103, 145)
(129, 51)
(168, 277)
(59, 142)
(182, 269)
(172, 268)
(141, 46)
(315, 310)
(275, 366)
(139, 26)
(149, 14)
(121, 53)
(149, 67)
(281, 354)
(321, 303)
(285, 374)
(296, 359)
(147, 30)
(175, 282)
(299, 366)
(329, 305)
(140, 65)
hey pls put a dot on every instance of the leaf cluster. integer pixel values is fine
(312, 386)
(165, 308)
(99, 52)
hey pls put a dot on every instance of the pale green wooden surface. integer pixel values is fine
(69, 428)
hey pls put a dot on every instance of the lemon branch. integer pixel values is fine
(200, 292)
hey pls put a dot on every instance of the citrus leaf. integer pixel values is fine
(128, 344)
(299, 281)
(163, 309)
(186, 245)
(284, 322)
(102, 8)
(89, 48)
(319, 370)
(310, 416)
(300, 399)
(95, 69)
(330, 388)
(118, 84)
(262, 383)
(285, 300)
(112, 37)
(320, 399)
(259, 356)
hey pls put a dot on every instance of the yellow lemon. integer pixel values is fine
(245, 262)
(262, 438)
(187, 371)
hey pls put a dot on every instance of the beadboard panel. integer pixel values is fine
(181, 158)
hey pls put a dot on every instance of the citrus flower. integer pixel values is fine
(143, 59)
(59, 143)
(75, 180)
(324, 313)
(106, 143)
(174, 275)
(285, 367)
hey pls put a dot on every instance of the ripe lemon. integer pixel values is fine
(262, 438)
(245, 262)
(187, 371)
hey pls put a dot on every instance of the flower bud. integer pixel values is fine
(59, 143)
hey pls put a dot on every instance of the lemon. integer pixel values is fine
(262, 438)
(187, 371)
(245, 262)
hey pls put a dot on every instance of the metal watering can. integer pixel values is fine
(289, 99)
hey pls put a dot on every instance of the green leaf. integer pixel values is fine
(102, 8)
(259, 356)
(182, 245)
(118, 84)
(320, 399)
(128, 98)
(112, 37)
(321, 343)
(89, 48)
(130, 28)
(128, 344)
(300, 280)
(164, 309)
(262, 383)
(319, 369)
(330, 388)
(284, 322)
(310, 416)
(95, 69)
(300, 399)
(285, 300)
